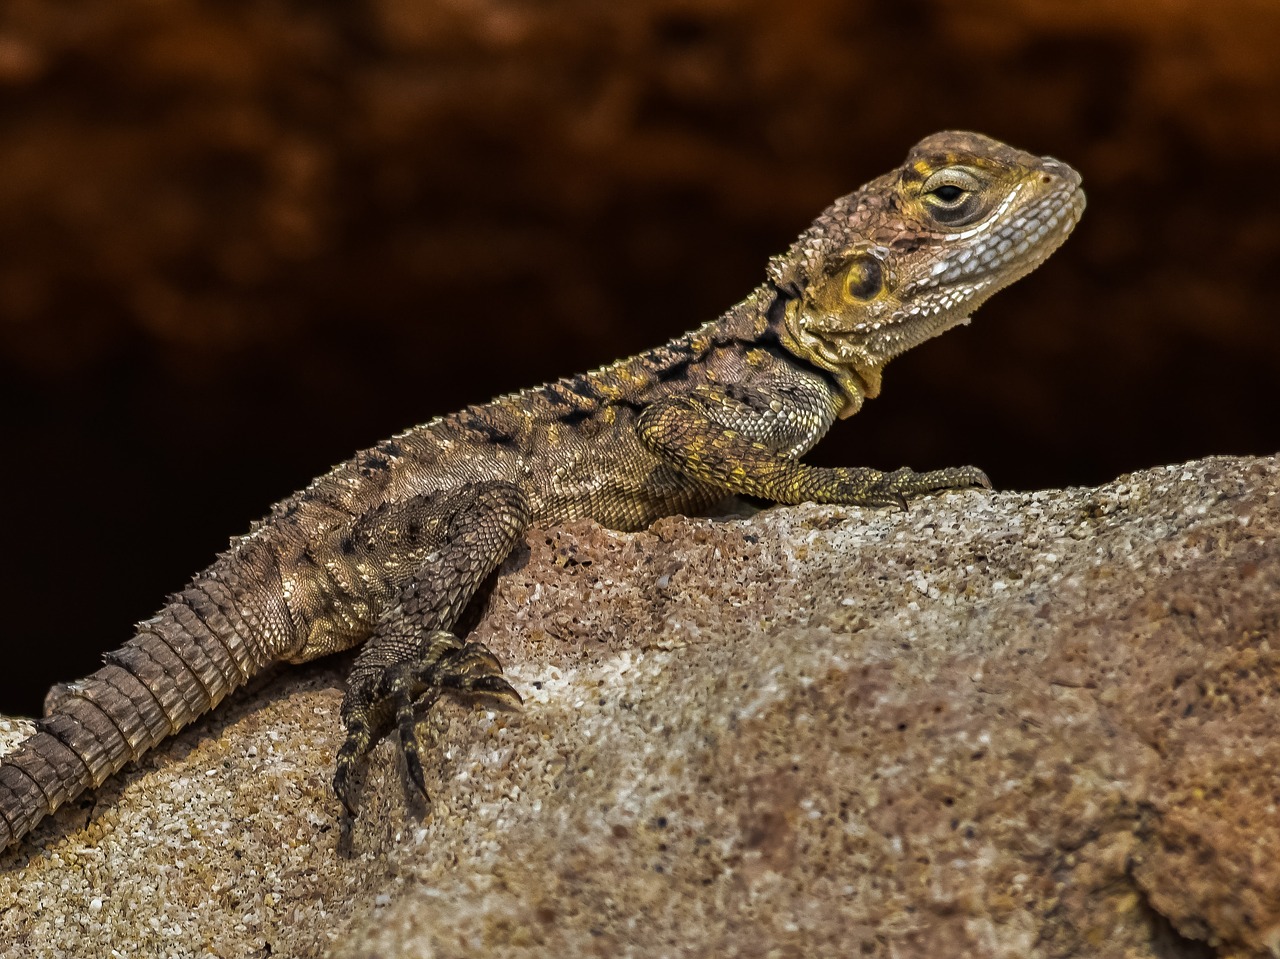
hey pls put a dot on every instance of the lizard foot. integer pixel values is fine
(861, 486)
(892, 489)
(403, 690)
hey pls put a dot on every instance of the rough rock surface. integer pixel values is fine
(1013, 724)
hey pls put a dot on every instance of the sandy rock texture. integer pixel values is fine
(1007, 725)
(239, 241)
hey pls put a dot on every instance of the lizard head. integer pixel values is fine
(916, 251)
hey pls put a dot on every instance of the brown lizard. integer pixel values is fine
(389, 548)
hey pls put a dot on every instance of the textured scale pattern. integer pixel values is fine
(388, 550)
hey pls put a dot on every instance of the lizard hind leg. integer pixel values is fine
(413, 656)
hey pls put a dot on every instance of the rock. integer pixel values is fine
(1012, 724)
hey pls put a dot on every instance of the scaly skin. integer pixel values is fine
(388, 549)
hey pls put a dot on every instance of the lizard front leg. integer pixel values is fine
(737, 442)
(413, 657)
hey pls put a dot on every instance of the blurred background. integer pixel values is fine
(239, 240)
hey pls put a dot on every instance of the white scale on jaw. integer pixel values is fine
(948, 299)
(971, 260)
(931, 308)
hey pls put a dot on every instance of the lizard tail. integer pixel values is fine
(204, 644)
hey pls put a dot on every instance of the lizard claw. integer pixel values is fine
(969, 476)
(894, 488)
(403, 692)
(347, 761)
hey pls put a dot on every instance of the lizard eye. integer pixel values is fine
(952, 196)
(864, 278)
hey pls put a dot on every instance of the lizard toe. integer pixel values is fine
(400, 695)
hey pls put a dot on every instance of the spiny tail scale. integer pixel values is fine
(209, 640)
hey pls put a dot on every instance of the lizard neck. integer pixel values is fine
(724, 350)
(854, 384)
(688, 359)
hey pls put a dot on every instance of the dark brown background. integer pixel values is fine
(239, 240)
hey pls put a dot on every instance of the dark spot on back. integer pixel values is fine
(751, 399)
(555, 397)
(670, 361)
(676, 370)
(492, 434)
(372, 461)
(573, 417)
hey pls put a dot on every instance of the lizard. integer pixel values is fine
(388, 549)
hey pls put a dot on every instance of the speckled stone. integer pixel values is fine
(1007, 725)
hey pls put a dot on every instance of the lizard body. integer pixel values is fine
(389, 548)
